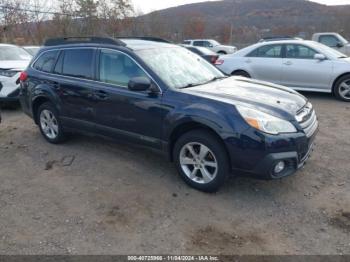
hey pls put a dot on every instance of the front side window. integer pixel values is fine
(117, 68)
(299, 52)
(267, 51)
(329, 40)
(198, 43)
(46, 61)
(178, 67)
(78, 63)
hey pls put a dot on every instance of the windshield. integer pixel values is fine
(13, 53)
(179, 67)
(32, 50)
(214, 43)
(342, 39)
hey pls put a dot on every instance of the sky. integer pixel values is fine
(151, 5)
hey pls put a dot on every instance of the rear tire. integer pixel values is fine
(241, 73)
(342, 88)
(201, 160)
(49, 123)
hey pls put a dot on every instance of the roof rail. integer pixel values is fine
(146, 38)
(83, 40)
(278, 38)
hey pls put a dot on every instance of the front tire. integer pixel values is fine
(201, 160)
(49, 123)
(342, 88)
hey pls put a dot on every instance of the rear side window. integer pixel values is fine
(268, 51)
(186, 42)
(46, 61)
(77, 63)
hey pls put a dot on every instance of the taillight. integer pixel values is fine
(213, 59)
(219, 62)
(23, 76)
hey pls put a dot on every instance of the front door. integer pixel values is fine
(121, 112)
(302, 71)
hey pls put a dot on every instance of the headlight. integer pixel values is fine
(265, 122)
(8, 73)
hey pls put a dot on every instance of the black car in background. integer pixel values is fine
(205, 53)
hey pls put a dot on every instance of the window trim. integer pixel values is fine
(277, 57)
(316, 52)
(94, 65)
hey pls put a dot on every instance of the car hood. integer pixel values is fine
(17, 65)
(273, 99)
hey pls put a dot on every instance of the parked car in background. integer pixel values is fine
(13, 60)
(333, 40)
(300, 65)
(212, 45)
(31, 49)
(163, 96)
(205, 53)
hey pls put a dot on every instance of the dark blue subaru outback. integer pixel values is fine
(164, 96)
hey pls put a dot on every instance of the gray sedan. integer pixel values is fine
(298, 64)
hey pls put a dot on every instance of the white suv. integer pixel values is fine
(212, 45)
(13, 60)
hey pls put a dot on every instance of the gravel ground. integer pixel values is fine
(92, 196)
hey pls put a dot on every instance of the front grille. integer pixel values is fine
(307, 119)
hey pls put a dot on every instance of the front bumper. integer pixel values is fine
(259, 154)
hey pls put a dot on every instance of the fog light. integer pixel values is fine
(280, 166)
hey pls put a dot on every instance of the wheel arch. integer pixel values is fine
(186, 127)
(37, 102)
(241, 70)
(336, 80)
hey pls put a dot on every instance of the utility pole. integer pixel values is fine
(232, 16)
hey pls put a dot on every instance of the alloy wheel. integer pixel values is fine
(198, 162)
(49, 124)
(344, 89)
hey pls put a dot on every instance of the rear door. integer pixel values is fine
(302, 71)
(76, 68)
(265, 63)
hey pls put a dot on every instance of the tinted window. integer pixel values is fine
(195, 50)
(186, 42)
(59, 64)
(300, 52)
(269, 51)
(201, 43)
(78, 63)
(46, 61)
(329, 40)
(117, 68)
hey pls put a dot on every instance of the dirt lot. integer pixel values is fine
(91, 196)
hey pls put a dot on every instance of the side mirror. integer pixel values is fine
(339, 45)
(320, 57)
(210, 45)
(139, 84)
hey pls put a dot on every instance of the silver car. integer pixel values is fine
(298, 64)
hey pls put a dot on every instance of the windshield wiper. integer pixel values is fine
(214, 79)
(207, 82)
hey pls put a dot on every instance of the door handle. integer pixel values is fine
(288, 63)
(101, 95)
